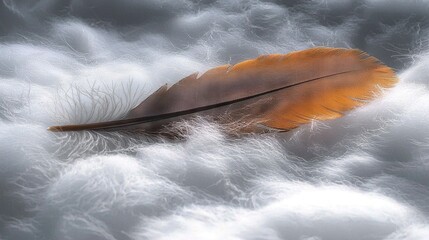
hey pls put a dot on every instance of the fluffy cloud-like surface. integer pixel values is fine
(363, 176)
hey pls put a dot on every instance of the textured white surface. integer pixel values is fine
(364, 176)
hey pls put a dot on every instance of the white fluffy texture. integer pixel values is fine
(303, 212)
(363, 176)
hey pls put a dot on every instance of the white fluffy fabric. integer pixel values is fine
(363, 176)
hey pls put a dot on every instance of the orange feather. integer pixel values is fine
(275, 92)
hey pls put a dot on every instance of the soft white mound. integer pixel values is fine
(364, 176)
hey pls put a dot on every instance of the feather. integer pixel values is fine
(275, 92)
